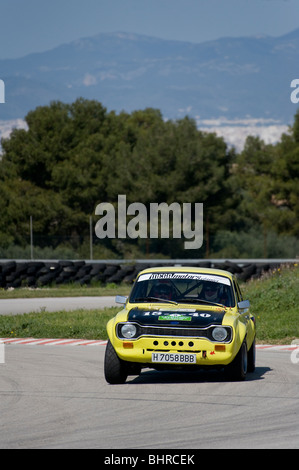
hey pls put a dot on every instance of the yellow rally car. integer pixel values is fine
(181, 317)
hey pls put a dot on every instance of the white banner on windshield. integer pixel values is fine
(185, 276)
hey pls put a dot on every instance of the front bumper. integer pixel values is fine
(208, 353)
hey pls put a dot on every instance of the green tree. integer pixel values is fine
(285, 171)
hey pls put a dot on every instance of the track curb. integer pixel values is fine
(52, 342)
(85, 342)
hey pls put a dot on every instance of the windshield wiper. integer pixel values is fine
(150, 299)
(200, 301)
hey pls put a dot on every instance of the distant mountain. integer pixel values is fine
(230, 78)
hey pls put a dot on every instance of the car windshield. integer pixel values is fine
(183, 287)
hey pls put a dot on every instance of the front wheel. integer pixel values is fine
(251, 358)
(115, 370)
(237, 369)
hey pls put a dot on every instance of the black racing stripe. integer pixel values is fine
(196, 319)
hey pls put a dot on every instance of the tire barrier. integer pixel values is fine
(15, 274)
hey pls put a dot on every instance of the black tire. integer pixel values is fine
(251, 358)
(237, 369)
(115, 370)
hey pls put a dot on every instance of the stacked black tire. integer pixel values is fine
(43, 273)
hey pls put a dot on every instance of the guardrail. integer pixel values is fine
(30, 273)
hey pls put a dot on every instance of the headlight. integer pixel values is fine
(128, 330)
(219, 333)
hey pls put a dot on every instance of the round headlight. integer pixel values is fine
(128, 330)
(219, 333)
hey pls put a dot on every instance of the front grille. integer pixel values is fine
(178, 332)
(170, 331)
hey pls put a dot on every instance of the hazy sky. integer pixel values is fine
(36, 25)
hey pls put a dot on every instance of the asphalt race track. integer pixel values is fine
(53, 304)
(57, 397)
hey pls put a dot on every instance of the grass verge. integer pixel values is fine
(274, 300)
(81, 324)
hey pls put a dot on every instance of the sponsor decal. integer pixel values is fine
(184, 276)
(175, 317)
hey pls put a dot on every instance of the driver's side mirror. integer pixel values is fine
(243, 306)
(121, 299)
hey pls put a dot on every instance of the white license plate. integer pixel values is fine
(174, 358)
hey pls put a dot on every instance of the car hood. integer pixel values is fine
(183, 317)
